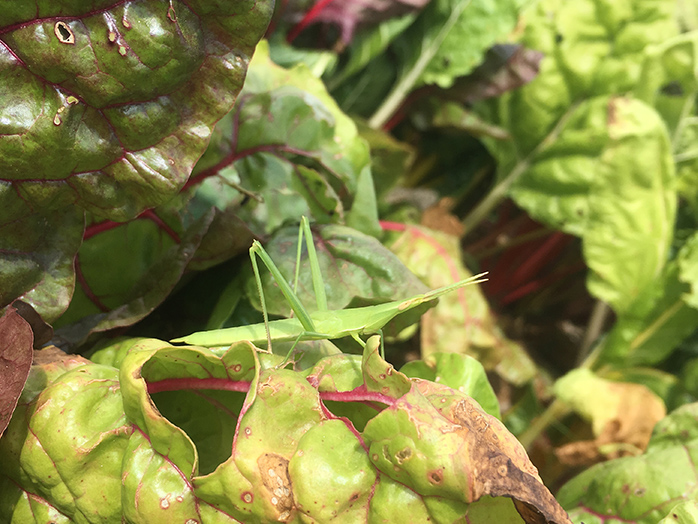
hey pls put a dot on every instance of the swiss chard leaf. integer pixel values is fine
(133, 463)
(105, 109)
(640, 489)
(110, 107)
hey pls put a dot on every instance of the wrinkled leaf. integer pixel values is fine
(110, 107)
(16, 349)
(292, 458)
(447, 40)
(356, 269)
(584, 159)
(640, 489)
(461, 322)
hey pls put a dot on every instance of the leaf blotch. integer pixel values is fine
(274, 472)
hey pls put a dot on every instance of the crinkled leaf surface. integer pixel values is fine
(280, 454)
(16, 349)
(454, 34)
(583, 159)
(109, 106)
(285, 138)
(461, 322)
(640, 489)
(447, 40)
(356, 269)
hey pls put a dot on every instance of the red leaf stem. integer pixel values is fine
(86, 287)
(307, 20)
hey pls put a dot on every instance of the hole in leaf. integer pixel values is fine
(358, 413)
(64, 33)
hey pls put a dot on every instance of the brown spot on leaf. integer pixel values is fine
(63, 33)
(403, 455)
(274, 472)
(436, 476)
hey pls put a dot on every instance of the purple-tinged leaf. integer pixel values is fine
(109, 108)
(350, 15)
(16, 348)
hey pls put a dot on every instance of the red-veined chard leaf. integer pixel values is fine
(234, 438)
(109, 106)
(105, 108)
(287, 137)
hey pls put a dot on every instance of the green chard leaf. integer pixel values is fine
(110, 107)
(589, 159)
(661, 316)
(105, 109)
(641, 489)
(178, 432)
(286, 136)
(448, 39)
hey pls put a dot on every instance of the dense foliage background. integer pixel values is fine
(145, 145)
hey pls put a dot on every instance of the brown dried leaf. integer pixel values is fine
(16, 348)
(622, 415)
(440, 218)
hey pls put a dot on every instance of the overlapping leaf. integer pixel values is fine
(105, 108)
(109, 107)
(292, 459)
(587, 159)
(461, 322)
(287, 137)
(641, 489)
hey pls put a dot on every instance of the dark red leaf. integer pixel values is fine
(16, 348)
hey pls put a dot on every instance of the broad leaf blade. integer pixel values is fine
(16, 349)
(110, 109)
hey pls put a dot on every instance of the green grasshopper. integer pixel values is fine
(320, 324)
